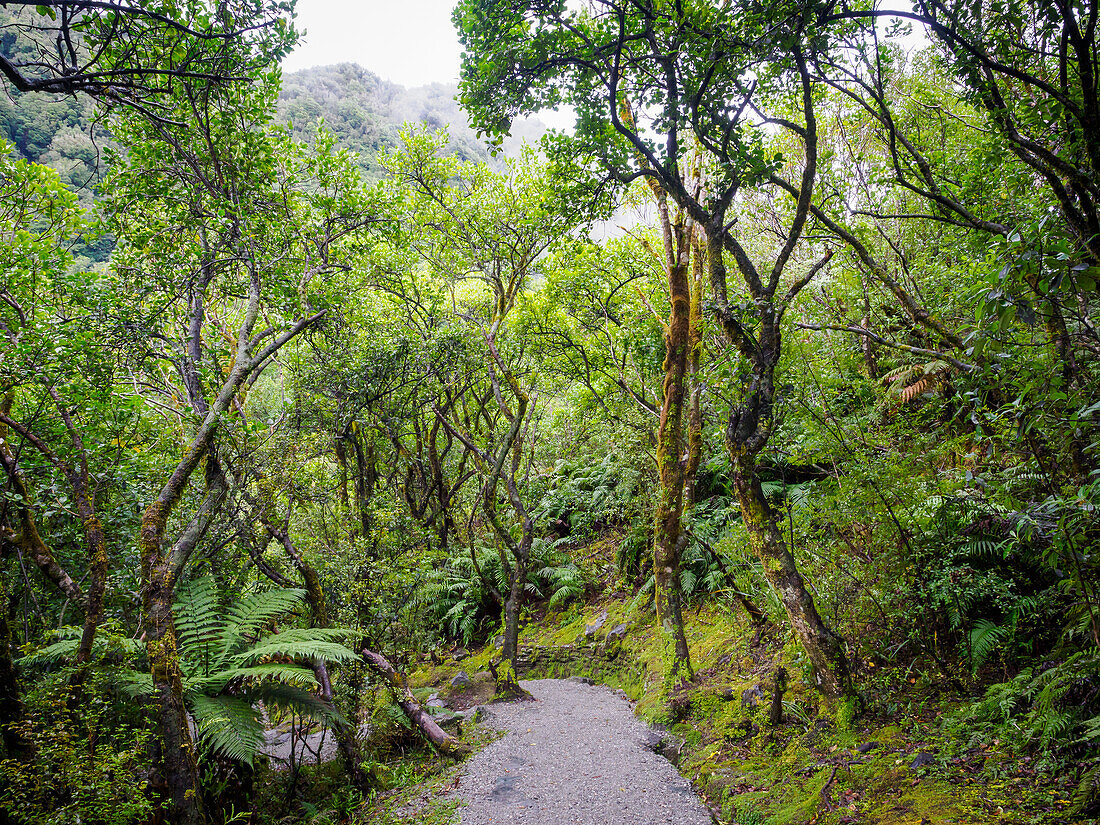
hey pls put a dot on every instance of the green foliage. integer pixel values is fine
(462, 601)
(232, 663)
(584, 496)
(983, 570)
(68, 782)
(1052, 709)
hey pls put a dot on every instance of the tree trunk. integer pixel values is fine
(179, 761)
(411, 707)
(342, 460)
(11, 703)
(669, 539)
(695, 351)
(98, 565)
(514, 601)
(824, 647)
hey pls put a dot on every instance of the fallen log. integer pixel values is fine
(412, 708)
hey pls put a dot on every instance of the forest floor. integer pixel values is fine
(906, 761)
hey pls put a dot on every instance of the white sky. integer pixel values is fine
(411, 42)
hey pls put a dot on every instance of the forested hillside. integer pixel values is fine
(309, 434)
(365, 112)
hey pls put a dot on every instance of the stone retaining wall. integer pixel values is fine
(597, 660)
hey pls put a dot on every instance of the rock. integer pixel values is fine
(617, 633)
(728, 693)
(460, 654)
(671, 748)
(460, 680)
(751, 697)
(582, 680)
(867, 747)
(590, 630)
(922, 760)
(499, 641)
(435, 702)
(450, 721)
(662, 742)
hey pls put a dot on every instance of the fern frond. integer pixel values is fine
(985, 637)
(198, 619)
(250, 677)
(274, 647)
(281, 700)
(247, 617)
(1087, 795)
(228, 725)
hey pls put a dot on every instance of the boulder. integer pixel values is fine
(617, 633)
(751, 697)
(590, 630)
(460, 680)
(922, 760)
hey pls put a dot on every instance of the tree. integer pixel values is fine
(228, 230)
(718, 75)
(137, 54)
(489, 231)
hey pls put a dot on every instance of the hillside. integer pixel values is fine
(366, 113)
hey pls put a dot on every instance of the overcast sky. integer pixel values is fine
(410, 42)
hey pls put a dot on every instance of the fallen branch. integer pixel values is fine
(412, 708)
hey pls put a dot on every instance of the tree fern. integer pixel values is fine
(230, 666)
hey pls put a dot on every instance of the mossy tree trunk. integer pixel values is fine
(162, 563)
(669, 537)
(81, 483)
(824, 648)
(756, 333)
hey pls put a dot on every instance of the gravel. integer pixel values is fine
(575, 755)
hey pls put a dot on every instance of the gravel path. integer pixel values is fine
(573, 756)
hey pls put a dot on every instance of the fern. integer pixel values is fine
(108, 643)
(1086, 798)
(985, 637)
(198, 621)
(229, 667)
(228, 725)
(247, 616)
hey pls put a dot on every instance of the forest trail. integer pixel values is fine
(576, 755)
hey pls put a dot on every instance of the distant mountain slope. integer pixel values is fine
(366, 113)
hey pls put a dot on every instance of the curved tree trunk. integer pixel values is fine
(824, 647)
(412, 708)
